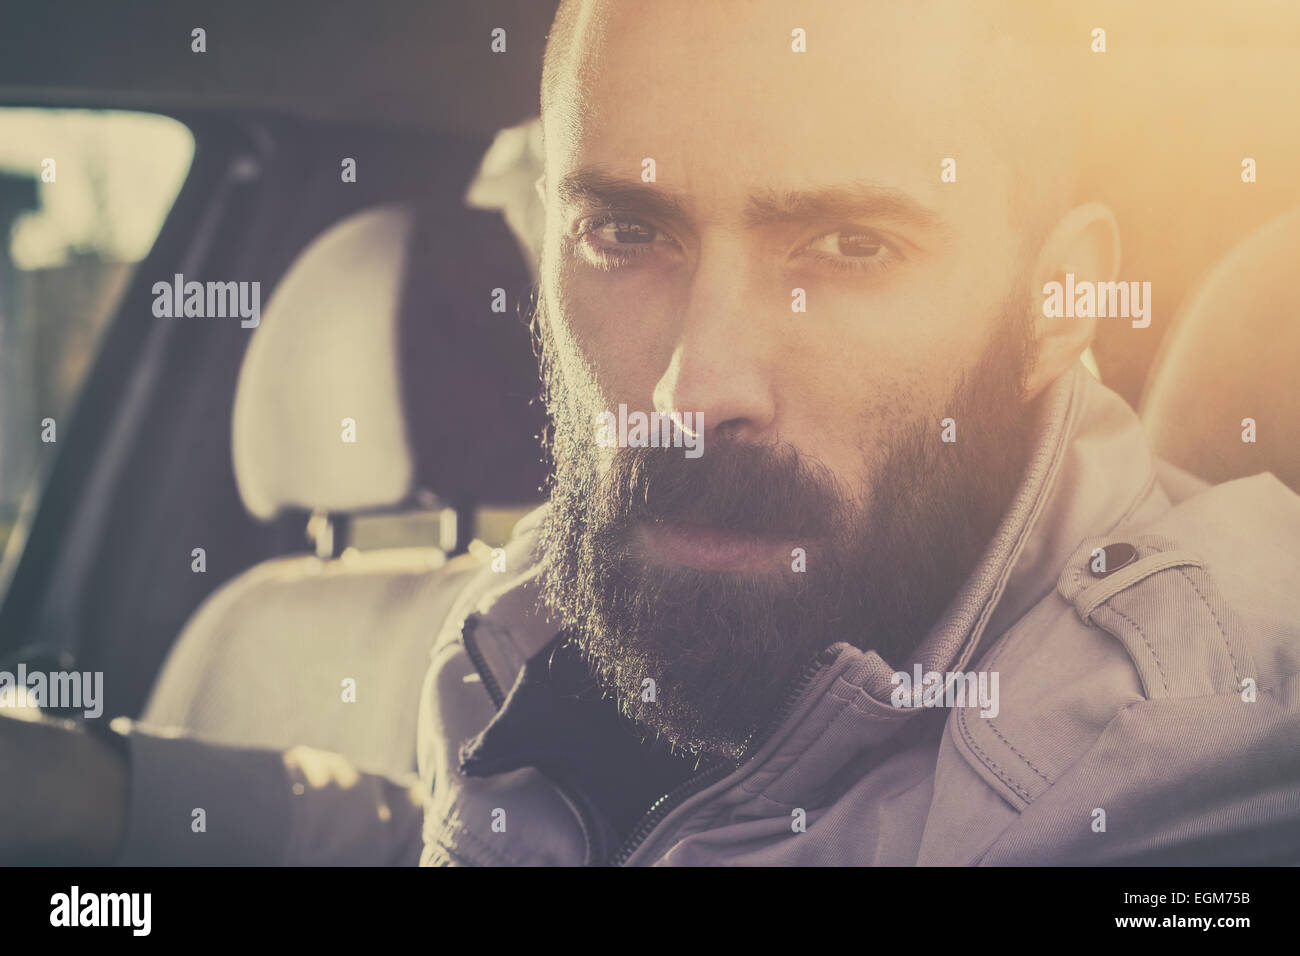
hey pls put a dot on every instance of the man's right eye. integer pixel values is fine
(622, 231)
(609, 241)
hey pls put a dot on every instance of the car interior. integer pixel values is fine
(382, 305)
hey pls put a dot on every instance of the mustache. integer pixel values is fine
(738, 486)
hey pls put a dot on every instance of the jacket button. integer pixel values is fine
(1106, 561)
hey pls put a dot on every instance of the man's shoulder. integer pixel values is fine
(1196, 610)
(1249, 523)
(1201, 596)
(1214, 587)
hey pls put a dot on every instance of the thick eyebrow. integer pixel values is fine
(596, 186)
(852, 202)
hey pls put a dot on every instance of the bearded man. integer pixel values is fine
(819, 240)
(914, 475)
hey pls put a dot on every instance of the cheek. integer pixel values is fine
(907, 346)
(876, 368)
(612, 332)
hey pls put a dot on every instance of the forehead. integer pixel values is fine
(715, 94)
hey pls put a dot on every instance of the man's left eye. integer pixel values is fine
(852, 249)
(850, 243)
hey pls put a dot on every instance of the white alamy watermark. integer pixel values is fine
(208, 300)
(65, 690)
(1098, 300)
(953, 689)
(75, 908)
(652, 430)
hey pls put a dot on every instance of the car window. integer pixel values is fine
(83, 196)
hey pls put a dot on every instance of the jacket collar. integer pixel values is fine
(1089, 471)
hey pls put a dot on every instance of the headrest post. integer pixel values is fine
(320, 532)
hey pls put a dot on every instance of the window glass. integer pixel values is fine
(83, 196)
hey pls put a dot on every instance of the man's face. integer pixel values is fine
(774, 171)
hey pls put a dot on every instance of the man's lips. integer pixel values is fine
(709, 549)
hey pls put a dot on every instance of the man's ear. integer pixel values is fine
(1084, 243)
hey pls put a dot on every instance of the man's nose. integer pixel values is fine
(719, 368)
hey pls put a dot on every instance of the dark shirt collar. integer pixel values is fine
(555, 719)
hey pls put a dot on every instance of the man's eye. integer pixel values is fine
(610, 241)
(852, 249)
(623, 231)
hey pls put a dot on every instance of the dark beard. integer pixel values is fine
(722, 648)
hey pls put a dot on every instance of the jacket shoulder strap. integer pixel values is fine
(1160, 601)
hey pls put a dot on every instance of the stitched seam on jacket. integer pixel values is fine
(860, 701)
(1076, 408)
(979, 859)
(968, 738)
(1017, 752)
(1159, 667)
(990, 762)
(1132, 576)
(1222, 632)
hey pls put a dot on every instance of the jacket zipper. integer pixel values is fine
(719, 768)
(470, 643)
(586, 821)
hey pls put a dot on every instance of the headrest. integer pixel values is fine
(1232, 354)
(322, 368)
(470, 380)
